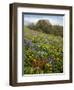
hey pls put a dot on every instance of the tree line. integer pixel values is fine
(46, 27)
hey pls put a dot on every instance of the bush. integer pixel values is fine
(57, 30)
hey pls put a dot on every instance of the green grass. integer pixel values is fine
(43, 53)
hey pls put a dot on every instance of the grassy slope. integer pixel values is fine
(30, 34)
(47, 46)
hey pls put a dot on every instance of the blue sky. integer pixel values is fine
(54, 19)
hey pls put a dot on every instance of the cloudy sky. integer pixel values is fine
(33, 18)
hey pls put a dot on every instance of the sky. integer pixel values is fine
(33, 18)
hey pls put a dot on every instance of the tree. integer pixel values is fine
(31, 26)
(44, 26)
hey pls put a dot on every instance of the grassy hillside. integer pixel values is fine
(43, 53)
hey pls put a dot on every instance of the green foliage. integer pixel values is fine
(57, 30)
(46, 27)
(43, 53)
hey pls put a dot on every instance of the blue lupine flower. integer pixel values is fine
(50, 59)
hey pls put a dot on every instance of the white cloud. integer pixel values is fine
(54, 20)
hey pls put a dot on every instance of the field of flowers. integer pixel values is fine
(43, 53)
